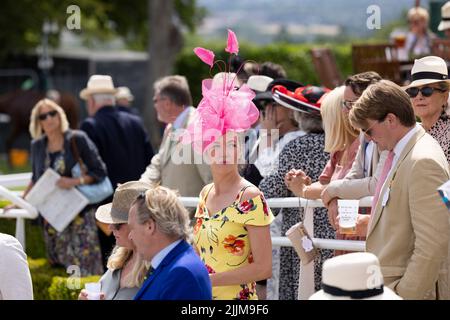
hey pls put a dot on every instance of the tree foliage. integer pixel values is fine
(21, 21)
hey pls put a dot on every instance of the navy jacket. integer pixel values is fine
(86, 149)
(180, 276)
(122, 143)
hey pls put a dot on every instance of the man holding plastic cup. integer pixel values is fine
(408, 229)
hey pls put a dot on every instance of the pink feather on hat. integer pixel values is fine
(207, 56)
(223, 108)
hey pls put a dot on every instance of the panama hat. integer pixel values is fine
(445, 17)
(98, 84)
(428, 70)
(117, 211)
(124, 93)
(353, 276)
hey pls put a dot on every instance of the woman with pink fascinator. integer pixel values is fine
(231, 233)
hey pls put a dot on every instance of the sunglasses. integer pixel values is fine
(117, 226)
(368, 131)
(425, 91)
(44, 116)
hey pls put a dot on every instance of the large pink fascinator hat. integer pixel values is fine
(225, 106)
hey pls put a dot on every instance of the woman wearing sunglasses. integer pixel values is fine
(78, 243)
(429, 92)
(126, 268)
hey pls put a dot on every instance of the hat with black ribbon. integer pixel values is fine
(353, 276)
(428, 70)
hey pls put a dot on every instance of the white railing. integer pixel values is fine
(26, 211)
(306, 271)
(306, 278)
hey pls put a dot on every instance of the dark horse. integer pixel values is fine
(19, 103)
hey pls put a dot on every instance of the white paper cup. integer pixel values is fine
(93, 290)
(348, 213)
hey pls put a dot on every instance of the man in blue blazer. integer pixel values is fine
(159, 226)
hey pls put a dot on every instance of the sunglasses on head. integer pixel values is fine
(44, 116)
(425, 91)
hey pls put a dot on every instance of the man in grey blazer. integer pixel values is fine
(176, 166)
(408, 229)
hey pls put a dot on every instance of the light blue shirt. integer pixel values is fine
(178, 123)
(159, 257)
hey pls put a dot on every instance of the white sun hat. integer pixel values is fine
(353, 276)
(445, 17)
(430, 69)
(98, 84)
(124, 93)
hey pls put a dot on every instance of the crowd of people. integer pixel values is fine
(258, 137)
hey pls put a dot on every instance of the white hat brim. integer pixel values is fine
(387, 294)
(86, 92)
(444, 25)
(421, 82)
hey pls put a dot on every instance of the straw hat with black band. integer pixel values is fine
(427, 70)
(353, 276)
(445, 14)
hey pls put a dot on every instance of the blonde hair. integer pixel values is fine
(117, 260)
(162, 205)
(418, 12)
(339, 134)
(35, 128)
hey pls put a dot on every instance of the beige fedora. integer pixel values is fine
(117, 211)
(445, 17)
(353, 276)
(98, 84)
(124, 93)
(430, 69)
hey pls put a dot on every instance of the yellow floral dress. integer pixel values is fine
(222, 240)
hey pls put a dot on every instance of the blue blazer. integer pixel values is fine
(180, 276)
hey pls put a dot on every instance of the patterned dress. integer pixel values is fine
(305, 153)
(78, 243)
(441, 132)
(223, 243)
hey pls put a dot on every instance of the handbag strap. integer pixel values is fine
(76, 154)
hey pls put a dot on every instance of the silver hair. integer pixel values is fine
(104, 99)
(308, 122)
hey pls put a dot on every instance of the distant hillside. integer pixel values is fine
(263, 20)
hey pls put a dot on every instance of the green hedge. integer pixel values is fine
(51, 283)
(296, 59)
(59, 289)
(35, 246)
(42, 275)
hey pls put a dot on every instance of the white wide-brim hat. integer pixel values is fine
(428, 70)
(259, 83)
(98, 84)
(353, 276)
(124, 93)
(445, 14)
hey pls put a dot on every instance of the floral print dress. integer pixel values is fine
(223, 243)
